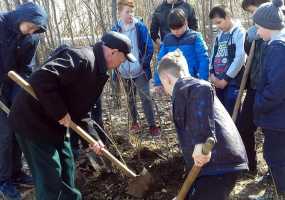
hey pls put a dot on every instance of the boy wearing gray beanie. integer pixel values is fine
(269, 106)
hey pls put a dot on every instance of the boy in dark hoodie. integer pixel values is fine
(269, 106)
(198, 114)
(18, 43)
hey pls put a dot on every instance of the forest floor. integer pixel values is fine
(161, 156)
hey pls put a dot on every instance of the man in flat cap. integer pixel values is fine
(67, 85)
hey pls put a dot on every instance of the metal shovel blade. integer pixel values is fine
(139, 185)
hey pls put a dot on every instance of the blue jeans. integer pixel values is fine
(274, 154)
(140, 84)
(228, 97)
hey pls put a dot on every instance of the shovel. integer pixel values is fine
(192, 175)
(4, 108)
(243, 81)
(138, 185)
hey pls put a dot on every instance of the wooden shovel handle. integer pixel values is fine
(192, 175)
(243, 81)
(28, 88)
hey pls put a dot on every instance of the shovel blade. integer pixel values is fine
(139, 185)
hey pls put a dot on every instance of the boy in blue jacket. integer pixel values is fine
(18, 43)
(269, 106)
(136, 75)
(189, 42)
(198, 114)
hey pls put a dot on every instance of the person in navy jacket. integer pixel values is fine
(18, 42)
(198, 114)
(269, 106)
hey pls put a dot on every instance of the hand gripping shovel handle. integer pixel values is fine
(192, 175)
(28, 88)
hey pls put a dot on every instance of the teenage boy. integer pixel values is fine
(159, 25)
(18, 43)
(198, 114)
(228, 56)
(269, 106)
(245, 121)
(190, 42)
(63, 86)
(136, 75)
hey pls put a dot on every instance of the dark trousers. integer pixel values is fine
(228, 97)
(10, 153)
(52, 168)
(274, 154)
(216, 187)
(96, 115)
(247, 128)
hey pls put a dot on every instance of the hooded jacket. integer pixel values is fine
(269, 106)
(145, 46)
(194, 49)
(16, 49)
(198, 114)
(159, 25)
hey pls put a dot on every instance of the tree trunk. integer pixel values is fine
(98, 4)
(114, 11)
(8, 6)
(91, 24)
(69, 23)
(56, 22)
(50, 27)
(17, 2)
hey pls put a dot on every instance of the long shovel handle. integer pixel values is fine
(192, 175)
(4, 108)
(243, 81)
(28, 88)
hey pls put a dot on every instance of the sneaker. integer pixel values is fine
(8, 191)
(154, 131)
(23, 180)
(135, 128)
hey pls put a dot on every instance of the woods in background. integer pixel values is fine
(82, 22)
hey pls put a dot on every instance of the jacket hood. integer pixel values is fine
(280, 35)
(120, 24)
(178, 2)
(29, 12)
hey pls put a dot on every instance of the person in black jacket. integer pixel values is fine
(159, 26)
(198, 114)
(67, 86)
